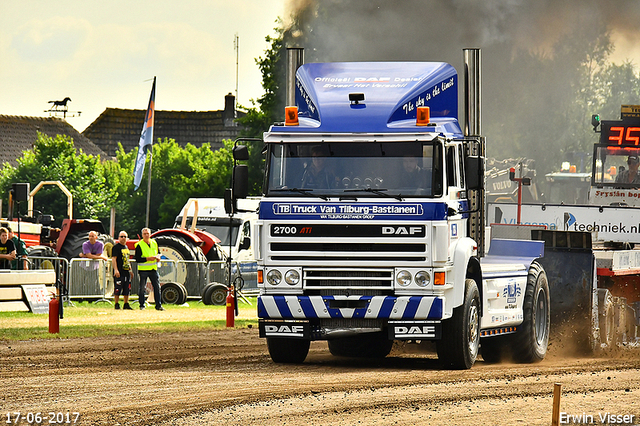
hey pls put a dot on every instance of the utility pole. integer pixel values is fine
(236, 46)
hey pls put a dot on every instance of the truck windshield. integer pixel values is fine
(389, 169)
(222, 232)
(615, 167)
(218, 227)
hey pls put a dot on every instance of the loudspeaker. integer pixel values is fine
(21, 192)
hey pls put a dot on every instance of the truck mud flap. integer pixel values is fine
(415, 330)
(571, 269)
(285, 329)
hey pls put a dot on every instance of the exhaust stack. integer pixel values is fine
(473, 129)
(472, 92)
(295, 58)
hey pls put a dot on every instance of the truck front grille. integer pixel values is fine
(349, 247)
(354, 280)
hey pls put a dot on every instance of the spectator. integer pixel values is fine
(93, 248)
(631, 175)
(122, 273)
(147, 256)
(21, 252)
(7, 249)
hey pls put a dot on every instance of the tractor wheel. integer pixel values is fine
(216, 294)
(72, 246)
(171, 293)
(366, 345)
(41, 252)
(204, 291)
(215, 254)
(288, 351)
(460, 341)
(190, 262)
(183, 294)
(532, 338)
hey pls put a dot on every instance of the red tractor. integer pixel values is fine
(191, 249)
(46, 241)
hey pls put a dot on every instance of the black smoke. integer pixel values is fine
(516, 38)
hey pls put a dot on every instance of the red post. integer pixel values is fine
(519, 198)
(54, 319)
(231, 311)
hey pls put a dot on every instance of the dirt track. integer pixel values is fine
(227, 377)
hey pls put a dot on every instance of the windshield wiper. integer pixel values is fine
(379, 191)
(307, 192)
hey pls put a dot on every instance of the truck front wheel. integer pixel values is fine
(532, 338)
(607, 319)
(460, 341)
(288, 351)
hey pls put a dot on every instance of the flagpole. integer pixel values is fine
(146, 222)
(146, 145)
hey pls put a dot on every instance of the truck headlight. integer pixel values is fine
(292, 277)
(403, 278)
(274, 277)
(423, 278)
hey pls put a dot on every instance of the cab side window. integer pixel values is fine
(452, 173)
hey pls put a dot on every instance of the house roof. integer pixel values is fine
(19, 133)
(195, 127)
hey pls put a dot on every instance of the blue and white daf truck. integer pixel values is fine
(371, 228)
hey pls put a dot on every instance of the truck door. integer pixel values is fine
(454, 190)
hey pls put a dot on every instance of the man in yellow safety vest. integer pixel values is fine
(147, 257)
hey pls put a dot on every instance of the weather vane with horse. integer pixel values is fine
(60, 107)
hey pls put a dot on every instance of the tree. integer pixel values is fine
(57, 159)
(177, 174)
(271, 107)
(545, 112)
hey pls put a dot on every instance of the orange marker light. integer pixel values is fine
(423, 116)
(438, 278)
(291, 116)
(260, 277)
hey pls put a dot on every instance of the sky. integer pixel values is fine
(104, 54)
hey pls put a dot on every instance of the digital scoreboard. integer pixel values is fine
(624, 132)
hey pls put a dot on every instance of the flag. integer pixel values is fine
(146, 139)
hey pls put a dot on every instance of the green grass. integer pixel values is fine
(74, 331)
(85, 319)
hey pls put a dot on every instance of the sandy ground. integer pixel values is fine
(226, 377)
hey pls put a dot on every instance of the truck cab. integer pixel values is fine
(371, 225)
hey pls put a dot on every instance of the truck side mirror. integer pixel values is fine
(240, 153)
(245, 244)
(240, 181)
(230, 205)
(474, 172)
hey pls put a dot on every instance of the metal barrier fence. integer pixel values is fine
(89, 279)
(59, 264)
(247, 270)
(56, 263)
(167, 272)
(93, 279)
